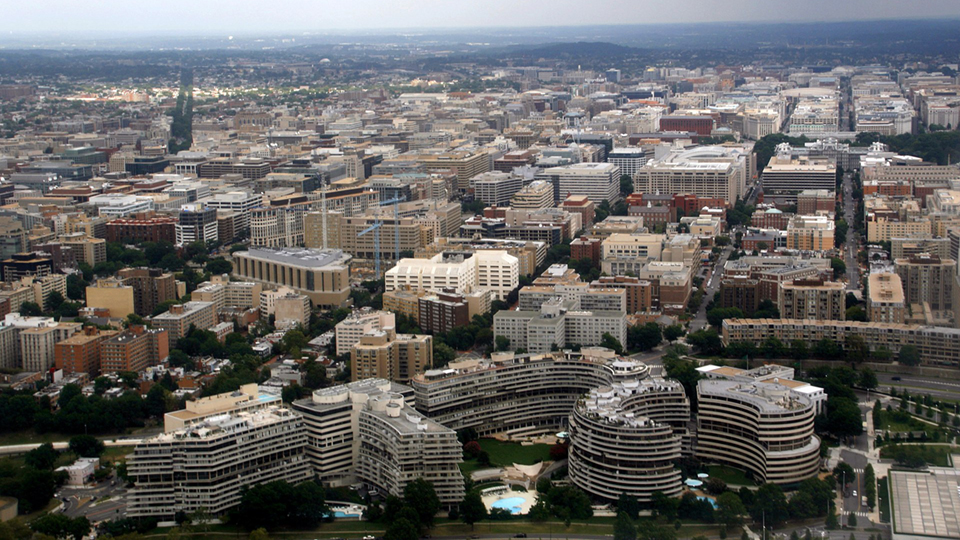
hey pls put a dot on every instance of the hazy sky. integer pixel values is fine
(273, 16)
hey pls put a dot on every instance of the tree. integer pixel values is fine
(851, 520)
(626, 184)
(868, 379)
(730, 509)
(772, 347)
(628, 505)
(219, 266)
(664, 506)
(623, 528)
(832, 523)
(401, 529)
(502, 343)
(843, 473)
(61, 526)
(856, 348)
(86, 446)
(42, 457)
(909, 355)
(607, 340)
(717, 315)
(856, 313)
(673, 332)
(870, 491)
(421, 496)
(472, 508)
(838, 266)
(30, 309)
(259, 534)
(770, 505)
(644, 337)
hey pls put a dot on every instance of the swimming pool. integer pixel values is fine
(513, 504)
(711, 501)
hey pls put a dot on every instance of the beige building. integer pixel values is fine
(536, 195)
(349, 331)
(113, 295)
(812, 299)
(87, 249)
(937, 345)
(225, 293)
(493, 270)
(927, 279)
(886, 301)
(623, 253)
(38, 344)
(178, 320)
(388, 355)
(290, 310)
(321, 275)
(465, 165)
(33, 289)
(883, 230)
(810, 233)
(404, 301)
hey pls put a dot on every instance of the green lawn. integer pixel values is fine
(932, 454)
(902, 422)
(507, 453)
(730, 475)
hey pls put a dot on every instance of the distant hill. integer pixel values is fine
(577, 49)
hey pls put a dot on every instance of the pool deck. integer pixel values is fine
(529, 498)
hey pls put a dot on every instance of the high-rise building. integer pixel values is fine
(740, 292)
(207, 465)
(22, 265)
(766, 429)
(810, 233)
(151, 287)
(496, 188)
(38, 343)
(598, 181)
(784, 178)
(464, 272)
(813, 299)
(388, 355)
(198, 223)
(538, 194)
(927, 279)
(134, 349)
(241, 202)
(80, 353)
(278, 226)
(368, 431)
(349, 331)
(113, 295)
(885, 302)
(142, 228)
(178, 320)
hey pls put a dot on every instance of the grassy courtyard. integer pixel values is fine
(730, 475)
(504, 454)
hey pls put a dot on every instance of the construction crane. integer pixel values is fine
(375, 229)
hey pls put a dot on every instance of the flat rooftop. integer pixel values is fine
(926, 503)
(311, 258)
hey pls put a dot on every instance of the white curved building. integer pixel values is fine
(518, 395)
(765, 429)
(625, 438)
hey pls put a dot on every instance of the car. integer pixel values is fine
(854, 493)
(520, 535)
(895, 378)
(369, 537)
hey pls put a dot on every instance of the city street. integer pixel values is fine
(852, 246)
(711, 286)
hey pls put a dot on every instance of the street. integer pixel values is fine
(852, 246)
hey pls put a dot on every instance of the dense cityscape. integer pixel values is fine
(641, 282)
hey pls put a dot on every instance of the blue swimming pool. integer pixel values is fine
(711, 501)
(513, 504)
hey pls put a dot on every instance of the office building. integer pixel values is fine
(885, 302)
(134, 349)
(198, 223)
(627, 253)
(582, 205)
(26, 265)
(465, 165)
(367, 431)
(629, 160)
(715, 172)
(556, 325)
(496, 188)
(241, 202)
(597, 181)
(812, 299)
(180, 317)
(442, 311)
(927, 279)
(277, 227)
(464, 272)
(812, 201)
(701, 125)
(321, 275)
(785, 179)
(765, 429)
(291, 310)
(740, 292)
(208, 464)
(538, 194)
(388, 355)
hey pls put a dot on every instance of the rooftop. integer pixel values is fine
(311, 258)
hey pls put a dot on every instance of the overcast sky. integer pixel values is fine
(281, 16)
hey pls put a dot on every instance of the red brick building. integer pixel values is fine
(582, 205)
(142, 228)
(586, 248)
(702, 125)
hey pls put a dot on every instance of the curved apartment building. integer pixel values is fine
(518, 395)
(625, 438)
(765, 429)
